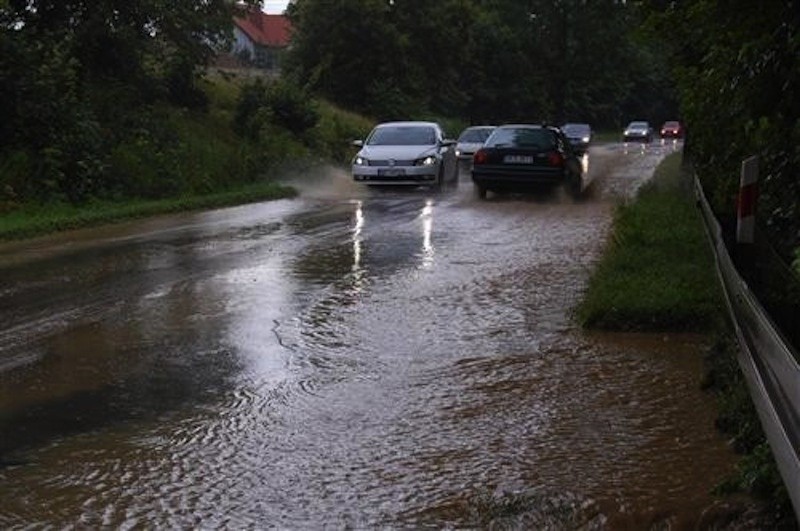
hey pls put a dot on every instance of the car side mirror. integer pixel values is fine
(358, 143)
(447, 142)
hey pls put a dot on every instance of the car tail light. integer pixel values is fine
(480, 157)
(554, 158)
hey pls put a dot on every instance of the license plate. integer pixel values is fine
(518, 159)
(391, 172)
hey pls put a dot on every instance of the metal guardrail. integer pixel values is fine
(767, 360)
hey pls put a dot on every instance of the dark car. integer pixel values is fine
(579, 135)
(672, 129)
(638, 132)
(524, 158)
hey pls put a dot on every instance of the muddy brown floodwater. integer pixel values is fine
(353, 358)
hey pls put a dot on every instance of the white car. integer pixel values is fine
(471, 140)
(406, 153)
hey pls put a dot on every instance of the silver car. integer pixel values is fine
(638, 132)
(471, 140)
(406, 153)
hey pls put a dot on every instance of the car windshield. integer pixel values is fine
(523, 137)
(638, 125)
(475, 135)
(403, 135)
(576, 129)
(671, 124)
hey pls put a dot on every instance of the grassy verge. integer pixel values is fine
(34, 220)
(607, 136)
(162, 159)
(658, 271)
(658, 275)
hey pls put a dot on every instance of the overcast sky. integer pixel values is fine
(275, 6)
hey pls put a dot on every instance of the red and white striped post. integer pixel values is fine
(746, 202)
(746, 218)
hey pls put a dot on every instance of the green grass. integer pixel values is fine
(607, 135)
(35, 220)
(658, 271)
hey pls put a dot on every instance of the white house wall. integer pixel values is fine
(242, 42)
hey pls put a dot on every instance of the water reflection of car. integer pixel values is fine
(579, 135)
(671, 129)
(639, 131)
(526, 157)
(470, 140)
(406, 153)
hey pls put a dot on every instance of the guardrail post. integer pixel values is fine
(746, 215)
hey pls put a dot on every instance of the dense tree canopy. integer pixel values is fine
(482, 60)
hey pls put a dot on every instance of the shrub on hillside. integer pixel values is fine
(262, 106)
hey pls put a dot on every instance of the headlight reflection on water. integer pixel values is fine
(426, 251)
(427, 232)
(585, 163)
(357, 269)
(358, 227)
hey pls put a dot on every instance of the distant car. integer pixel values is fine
(579, 135)
(470, 140)
(638, 132)
(406, 153)
(672, 129)
(524, 158)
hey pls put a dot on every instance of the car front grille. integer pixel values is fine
(394, 163)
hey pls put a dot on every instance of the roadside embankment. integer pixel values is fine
(657, 275)
(163, 158)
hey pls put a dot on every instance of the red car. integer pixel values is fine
(672, 130)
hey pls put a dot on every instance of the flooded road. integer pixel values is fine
(353, 358)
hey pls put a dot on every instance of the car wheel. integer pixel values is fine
(574, 186)
(438, 184)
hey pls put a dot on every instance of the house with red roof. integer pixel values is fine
(261, 39)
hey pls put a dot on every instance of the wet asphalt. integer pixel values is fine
(352, 358)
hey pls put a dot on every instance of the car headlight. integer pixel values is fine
(586, 139)
(360, 161)
(458, 152)
(430, 160)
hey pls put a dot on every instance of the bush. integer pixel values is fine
(144, 165)
(15, 169)
(292, 107)
(335, 132)
(263, 106)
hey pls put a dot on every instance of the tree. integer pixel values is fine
(483, 60)
(73, 68)
(738, 70)
(349, 51)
